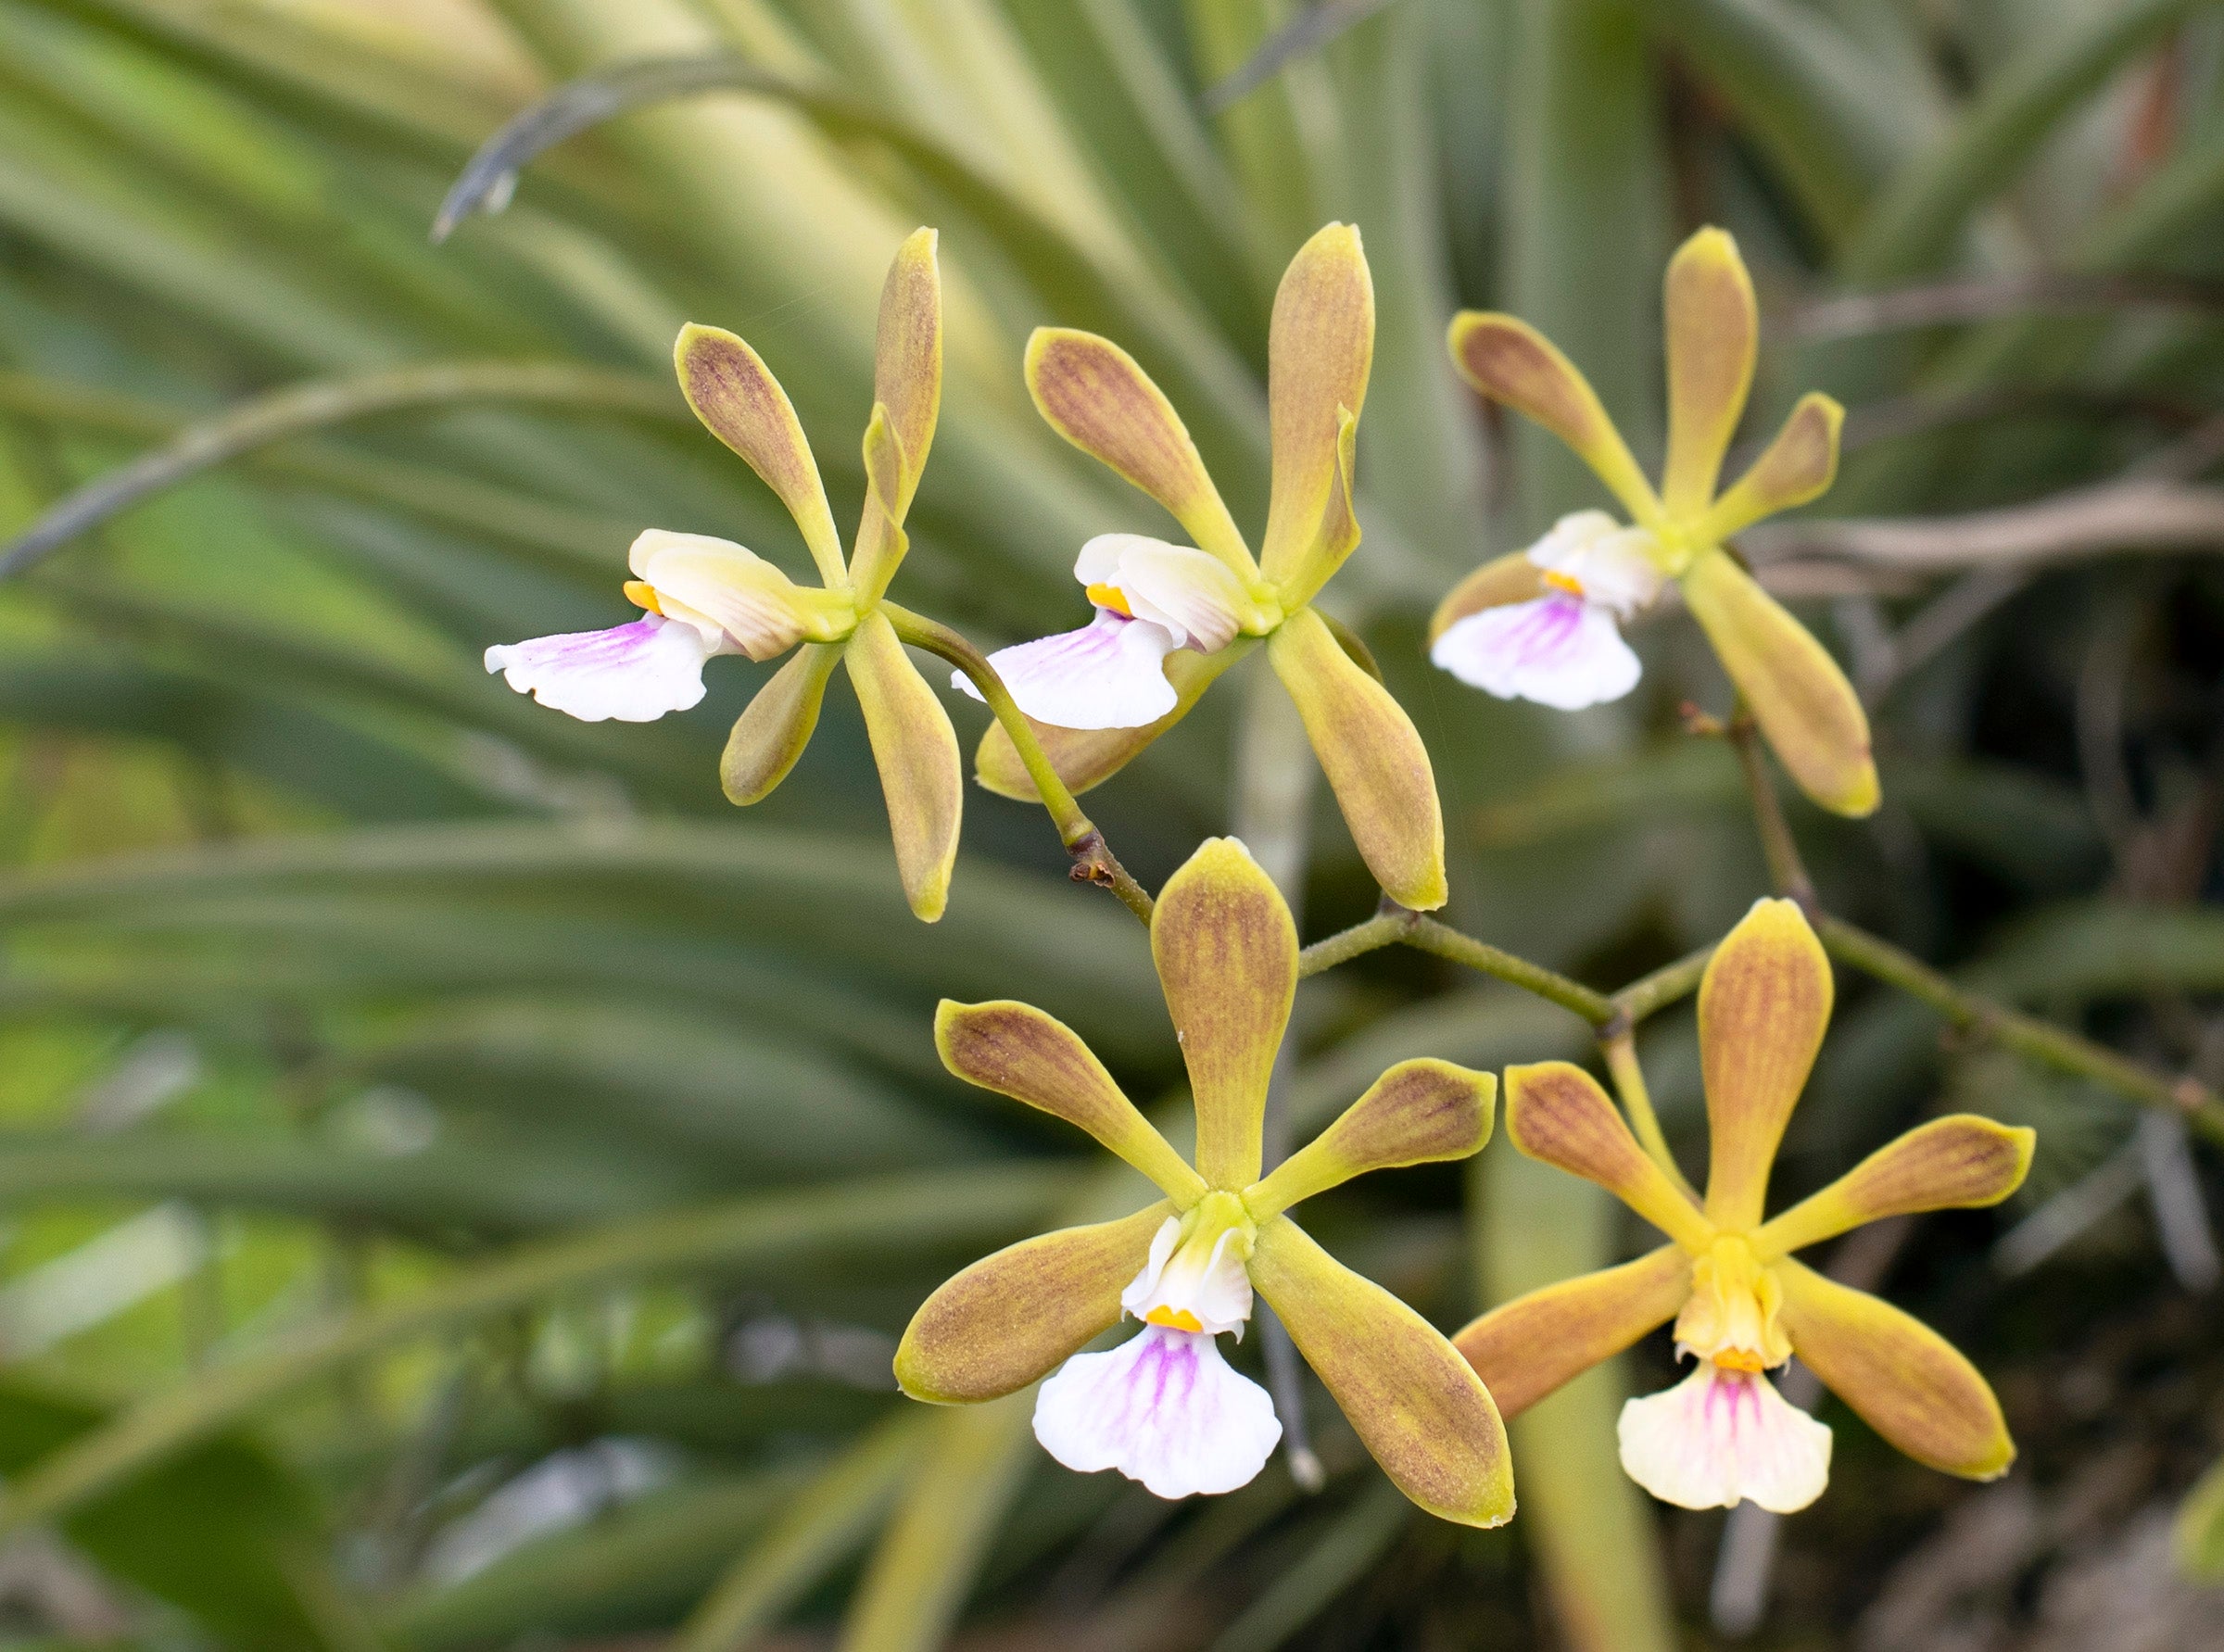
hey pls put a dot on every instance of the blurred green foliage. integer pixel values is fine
(463, 1179)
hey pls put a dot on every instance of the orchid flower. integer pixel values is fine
(1742, 1303)
(1169, 619)
(1543, 623)
(705, 596)
(1163, 1408)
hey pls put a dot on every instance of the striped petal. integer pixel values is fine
(1798, 466)
(1713, 333)
(1720, 1437)
(1901, 1377)
(1498, 582)
(916, 751)
(1108, 675)
(1763, 1005)
(1798, 695)
(1416, 1113)
(1012, 1317)
(1095, 395)
(1511, 361)
(740, 403)
(774, 727)
(1017, 1050)
(907, 360)
(1163, 1408)
(1557, 651)
(1525, 1348)
(633, 672)
(1557, 1113)
(1957, 1163)
(1418, 1406)
(1320, 346)
(1084, 758)
(1374, 757)
(1227, 956)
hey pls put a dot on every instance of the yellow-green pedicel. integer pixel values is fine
(1163, 1407)
(706, 596)
(1171, 618)
(1571, 587)
(1741, 1303)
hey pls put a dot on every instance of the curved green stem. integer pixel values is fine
(1093, 861)
(1621, 1052)
(1429, 936)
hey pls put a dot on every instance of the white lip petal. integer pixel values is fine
(1163, 1408)
(1214, 1290)
(635, 672)
(1191, 592)
(1722, 1436)
(730, 587)
(1108, 675)
(1557, 651)
(1614, 565)
(1136, 1298)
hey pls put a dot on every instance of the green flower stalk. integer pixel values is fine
(1543, 623)
(1163, 1407)
(705, 596)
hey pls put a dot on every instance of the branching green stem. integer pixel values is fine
(1093, 861)
(1427, 935)
(1620, 1050)
(1787, 871)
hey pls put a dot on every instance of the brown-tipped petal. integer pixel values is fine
(1088, 757)
(1527, 1348)
(1419, 1406)
(907, 358)
(772, 731)
(1511, 361)
(1017, 1314)
(1417, 1111)
(1713, 332)
(1017, 1050)
(1904, 1379)
(1803, 702)
(881, 541)
(1227, 956)
(916, 751)
(1959, 1162)
(1374, 757)
(1764, 1004)
(1798, 466)
(1557, 1113)
(1319, 349)
(1502, 580)
(1097, 398)
(740, 403)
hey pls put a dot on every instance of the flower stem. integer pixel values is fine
(1621, 1052)
(1426, 934)
(2026, 1035)
(1093, 861)
(1787, 871)
(1385, 929)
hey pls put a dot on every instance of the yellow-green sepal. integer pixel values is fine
(916, 751)
(1024, 1052)
(1901, 1377)
(1416, 1404)
(1712, 331)
(1015, 1317)
(1420, 1112)
(776, 726)
(1795, 690)
(1527, 1348)
(1961, 1162)
(1374, 760)
(1226, 951)
(1557, 1113)
(1319, 351)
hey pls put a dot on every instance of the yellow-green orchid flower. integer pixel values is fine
(1741, 1303)
(1171, 618)
(1163, 1407)
(1542, 623)
(707, 596)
